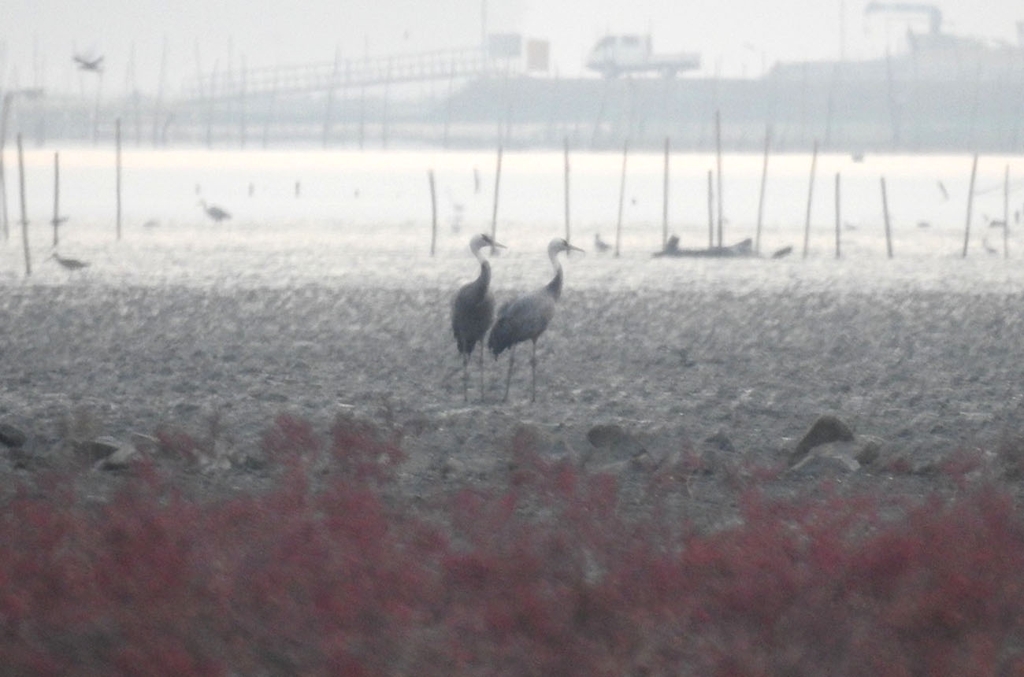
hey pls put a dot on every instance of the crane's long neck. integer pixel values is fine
(484, 278)
(555, 286)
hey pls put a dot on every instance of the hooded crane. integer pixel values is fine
(527, 317)
(473, 311)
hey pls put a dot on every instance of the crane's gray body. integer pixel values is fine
(473, 312)
(526, 318)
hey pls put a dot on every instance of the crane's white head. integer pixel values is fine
(558, 245)
(480, 241)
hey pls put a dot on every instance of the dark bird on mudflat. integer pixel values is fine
(600, 245)
(526, 318)
(70, 265)
(86, 64)
(214, 212)
(473, 311)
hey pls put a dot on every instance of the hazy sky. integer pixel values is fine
(734, 37)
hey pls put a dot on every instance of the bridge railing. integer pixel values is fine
(347, 73)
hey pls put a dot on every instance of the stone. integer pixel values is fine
(11, 436)
(99, 448)
(829, 459)
(612, 443)
(720, 441)
(122, 456)
(825, 429)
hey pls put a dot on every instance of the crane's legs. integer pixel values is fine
(508, 379)
(465, 377)
(533, 373)
(482, 351)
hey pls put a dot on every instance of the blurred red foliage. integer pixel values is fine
(545, 576)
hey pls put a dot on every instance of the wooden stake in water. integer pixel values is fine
(56, 198)
(970, 204)
(24, 216)
(810, 198)
(664, 201)
(885, 213)
(622, 196)
(838, 215)
(566, 143)
(497, 191)
(718, 154)
(433, 212)
(760, 199)
(117, 135)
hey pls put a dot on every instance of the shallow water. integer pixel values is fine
(364, 218)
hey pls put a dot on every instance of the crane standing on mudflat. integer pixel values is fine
(528, 316)
(473, 312)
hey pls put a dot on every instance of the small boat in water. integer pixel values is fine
(742, 248)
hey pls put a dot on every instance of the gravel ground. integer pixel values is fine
(727, 378)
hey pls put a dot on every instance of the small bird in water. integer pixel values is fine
(70, 265)
(473, 311)
(600, 245)
(526, 318)
(214, 212)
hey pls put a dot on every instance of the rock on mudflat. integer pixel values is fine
(612, 443)
(826, 429)
(119, 457)
(11, 436)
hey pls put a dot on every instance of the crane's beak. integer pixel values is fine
(495, 243)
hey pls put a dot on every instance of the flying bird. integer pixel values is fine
(473, 312)
(87, 64)
(214, 212)
(527, 317)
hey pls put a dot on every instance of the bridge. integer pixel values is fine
(472, 62)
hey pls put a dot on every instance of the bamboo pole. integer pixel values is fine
(764, 179)
(56, 198)
(885, 213)
(158, 103)
(270, 108)
(567, 231)
(24, 215)
(711, 209)
(718, 154)
(1006, 212)
(433, 212)
(970, 204)
(810, 198)
(385, 116)
(497, 191)
(838, 215)
(96, 110)
(243, 132)
(329, 112)
(448, 104)
(117, 134)
(210, 104)
(664, 200)
(622, 196)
